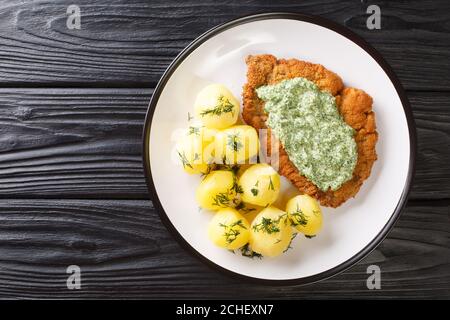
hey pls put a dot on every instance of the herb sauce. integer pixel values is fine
(315, 136)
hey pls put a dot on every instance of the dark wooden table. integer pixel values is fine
(72, 189)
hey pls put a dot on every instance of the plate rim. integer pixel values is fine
(323, 22)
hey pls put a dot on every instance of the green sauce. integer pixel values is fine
(315, 136)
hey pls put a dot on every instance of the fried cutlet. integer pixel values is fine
(354, 105)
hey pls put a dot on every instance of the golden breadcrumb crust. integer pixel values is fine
(354, 105)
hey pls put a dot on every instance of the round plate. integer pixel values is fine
(351, 231)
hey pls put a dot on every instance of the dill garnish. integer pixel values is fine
(271, 187)
(249, 253)
(194, 130)
(224, 106)
(254, 190)
(292, 239)
(231, 233)
(221, 199)
(233, 142)
(190, 117)
(184, 160)
(298, 218)
(309, 237)
(241, 206)
(267, 225)
(236, 187)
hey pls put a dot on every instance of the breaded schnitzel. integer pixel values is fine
(354, 105)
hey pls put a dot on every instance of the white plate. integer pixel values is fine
(351, 231)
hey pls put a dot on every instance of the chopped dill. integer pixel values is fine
(292, 239)
(298, 218)
(241, 206)
(267, 225)
(184, 160)
(254, 191)
(233, 142)
(271, 187)
(249, 253)
(221, 199)
(196, 156)
(231, 233)
(194, 130)
(236, 187)
(223, 106)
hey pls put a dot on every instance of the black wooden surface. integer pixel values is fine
(72, 191)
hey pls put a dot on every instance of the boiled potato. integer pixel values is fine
(270, 232)
(217, 190)
(216, 107)
(195, 153)
(305, 214)
(260, 185)
(229, 229)
(237, 144)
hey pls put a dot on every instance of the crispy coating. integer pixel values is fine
(354, 105)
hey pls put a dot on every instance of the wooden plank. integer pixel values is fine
(123, 250)
(128, 43)
(86, 143)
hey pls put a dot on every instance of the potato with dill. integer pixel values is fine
(218, 190)
(260, 185)
(270, 232)
(305, 214)
(216, 107)
(236, 145)
(229, 229)
(195, 149)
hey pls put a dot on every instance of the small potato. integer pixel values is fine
(229, 229)
(270, 232)
(236, 145)
(260, 185)
(217, 190)
(305, 214)
(195, 153)
(216, 107)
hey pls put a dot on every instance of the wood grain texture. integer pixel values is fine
(130, 43)
(73, 143)
(124, 251)
(72, 189)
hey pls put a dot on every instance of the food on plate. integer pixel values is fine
(270, 232)
(326, 135)
(218, 190)
(306, 105)
(216, 107)
(229, 229)
(195, 150)
(260, 185)
(305, 214)
(236, 144)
